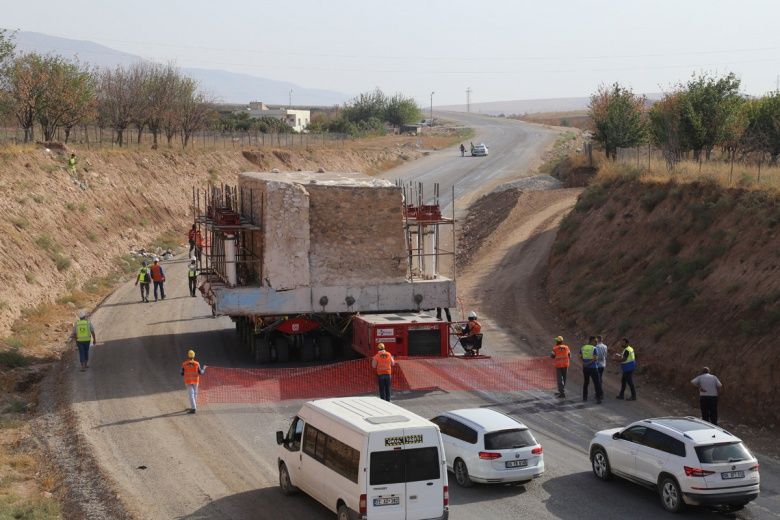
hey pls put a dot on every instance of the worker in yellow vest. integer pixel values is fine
(590, 370)
(191, 370)
(83, 332)
(383, 363)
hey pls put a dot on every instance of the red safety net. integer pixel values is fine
(263, 385)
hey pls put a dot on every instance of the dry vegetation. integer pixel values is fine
(574, 119)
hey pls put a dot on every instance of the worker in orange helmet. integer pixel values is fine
(383, 363)
(191, 370)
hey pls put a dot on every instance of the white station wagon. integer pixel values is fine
(483, 445)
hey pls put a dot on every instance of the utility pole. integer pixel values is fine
(468, 99)
(432, 93)
(290, 105)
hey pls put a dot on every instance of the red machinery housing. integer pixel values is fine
(405, 334)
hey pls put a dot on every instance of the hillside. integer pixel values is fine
(689, 272)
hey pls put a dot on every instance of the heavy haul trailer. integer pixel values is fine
(314, 265)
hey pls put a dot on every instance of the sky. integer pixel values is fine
(501, 49)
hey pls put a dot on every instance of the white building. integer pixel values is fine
(297, 119)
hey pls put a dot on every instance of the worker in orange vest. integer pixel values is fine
(191, 370)
(158, 277)
(467, 338)
(562, 357)
(383, 362)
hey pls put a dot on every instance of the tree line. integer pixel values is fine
(696, 117)
(369, 114)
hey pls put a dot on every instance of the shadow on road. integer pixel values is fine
(484, 492)
(142, 419)
(260, 503)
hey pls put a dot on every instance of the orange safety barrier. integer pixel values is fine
(265, 385)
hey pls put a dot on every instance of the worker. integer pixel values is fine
(72, 165)
(191, 238)
(468, 337)
(462, 150)
(383, 363)
(191, 370)
(83, 332)
(562, 357)
(710, 388)
(601, 357)
(158, 277)
(627, 367)
(192, 276)
(145, 279)
(589, 370)
(199, 243)
(472, 147)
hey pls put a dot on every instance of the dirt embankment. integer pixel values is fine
(690, 273)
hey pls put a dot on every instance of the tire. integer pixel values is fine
(262, 349)
(308, 352)
(282, 350)
(342, 513)
(325, 344)
(600, 464)
(284, 481)
(670, 494)
(461, 474)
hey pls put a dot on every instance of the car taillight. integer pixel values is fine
(446, 496)
(489, 455)
(538, 450)
(696, 472)
(754, 468)
(362, 505)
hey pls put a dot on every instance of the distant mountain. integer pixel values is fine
(530, 106)
(228, 87)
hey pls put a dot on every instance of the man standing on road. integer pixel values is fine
(601, 357)
(710, 388)
(590, 371)
(462, 150)
(383, 362)
(192, 277)
(144, 278)
(83, 332)
(158, 277)
(627, 367)
(191, 370)
(562, 356)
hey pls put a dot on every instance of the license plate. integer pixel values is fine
(387, 501)
(726, 475)
(517, 463)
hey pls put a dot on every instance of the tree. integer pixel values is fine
(707, 104)
(366, 106)
(116, 103)
(618, 118)
(401, 110)
(763, 132)
(67, 98)
(734, 130)
(7, 47)
(160, 91)
(28, 80)
(195, 111)
(666, 130)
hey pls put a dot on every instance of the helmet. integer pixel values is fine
(82, 314)
(472, 315)
(143, 264)
(192, 258)
(381, 346)
(191, 354)
(156, 259)
(559, 339)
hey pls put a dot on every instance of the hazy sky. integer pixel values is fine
(503, 50)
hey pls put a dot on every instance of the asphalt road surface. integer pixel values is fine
(221, 463)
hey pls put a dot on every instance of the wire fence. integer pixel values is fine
(717, 161)
(94, 137)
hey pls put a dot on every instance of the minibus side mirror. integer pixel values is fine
(279, 437)
(618, 435)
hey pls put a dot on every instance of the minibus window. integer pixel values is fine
(422, 464)
(343, 459)
(294, 435)
(310, 439)
(397, 466)
(387, 467)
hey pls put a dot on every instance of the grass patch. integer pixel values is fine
(91, 236)
(70, 206)
(168, 240)
(38, 199)
(653, 197)
(213, 175)
(30, 278)
(53, 249)
(13, 507)
(562, 245)
(20, 222)
(13, 358)
(658, 329)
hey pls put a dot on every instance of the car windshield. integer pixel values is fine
(508, 439)
(726, 452)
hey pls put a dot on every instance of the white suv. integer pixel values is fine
(689, 461)
(483, 445)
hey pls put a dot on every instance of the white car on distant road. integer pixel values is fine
(480, 150)
(687, 460)
(483, 445)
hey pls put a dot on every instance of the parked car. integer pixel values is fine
(687, 460)
(483, 445)
(480, 150)
(362, 457)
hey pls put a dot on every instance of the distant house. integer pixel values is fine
(297, 119)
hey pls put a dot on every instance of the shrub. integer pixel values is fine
(652, 197)
(70, 206)
(674, 247)
(592, 198)
(562, 245)
(658, 329)
(13, 358)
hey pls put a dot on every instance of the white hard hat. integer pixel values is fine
(156, 259)
(473, 314)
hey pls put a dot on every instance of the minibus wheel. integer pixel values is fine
(284, 481)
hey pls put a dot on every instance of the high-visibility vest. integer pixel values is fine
(474, 328)
(629, 363)
(561, 353)
(143, 275)
(72, 162)
(157, 275)
(83, 334)
(191, 372)
(192, 272)
(588, 354)
(384, 363)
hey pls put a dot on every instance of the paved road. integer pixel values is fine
(220, 463)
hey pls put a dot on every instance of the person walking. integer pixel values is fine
(158, 277)
(562, 357)
(191, 238)
(83, 332)
(601, 357)
(383, 363)
(627, 367)
(462, 150)
(145, 279)
(192, 277)
(72, 166)
(710, 388)
(590, 371)
(191, 371)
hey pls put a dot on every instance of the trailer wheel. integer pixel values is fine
(308, 352)
(283, 348)
(326, 347)
(262, 349)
